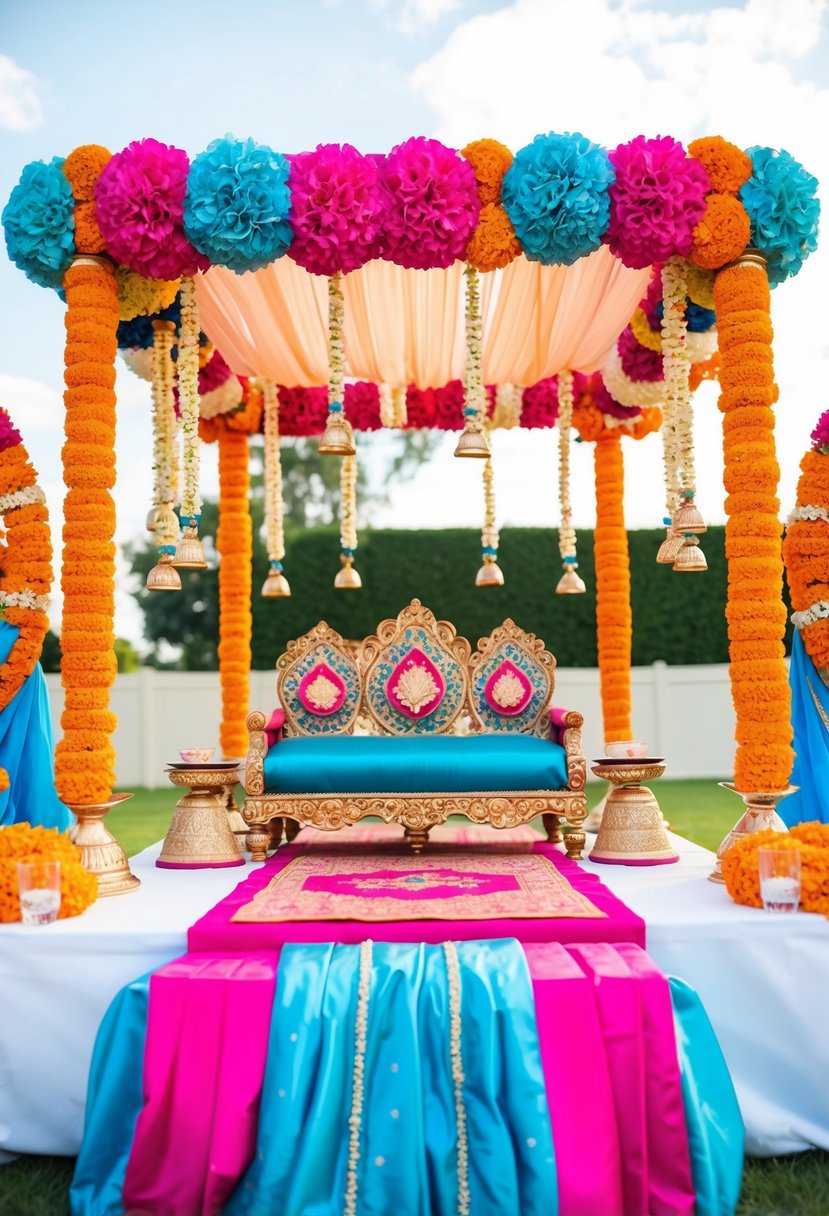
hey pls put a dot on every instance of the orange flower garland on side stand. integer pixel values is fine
(85, 757)
(613, 613)
(755, 610)
(234, 542)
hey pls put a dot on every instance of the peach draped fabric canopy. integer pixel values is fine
(407, 326)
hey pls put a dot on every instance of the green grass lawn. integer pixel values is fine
(786, 1186)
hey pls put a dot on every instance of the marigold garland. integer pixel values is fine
(142, 297)
(234, 542)
(806, 555)
(755, 610)
(85, 757)
(722, 233)
(613, 612)
(22, 842)
(740, 866)
(25, 560)
(727, 166)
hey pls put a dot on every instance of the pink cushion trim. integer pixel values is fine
(273, 730)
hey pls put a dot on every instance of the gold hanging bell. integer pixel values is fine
(473, 443)
(164, 576)
(490, 574)
(347, 578)
(687, 518)
(338, 438)
(275, 586)
(151, 519)
(570, 582)
(690, 559)
(670, 547)
(189, 551)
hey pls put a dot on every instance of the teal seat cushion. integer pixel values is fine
(414, 764)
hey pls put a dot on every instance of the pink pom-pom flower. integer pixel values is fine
(431, 202)
(139, 205)
(639, 363)
(657, 198)
(336, 209)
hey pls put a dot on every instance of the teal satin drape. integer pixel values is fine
(420, 764)
(408, 1160)
(810, 713)
(26, 751)
(716, 1135)
(113, 1104)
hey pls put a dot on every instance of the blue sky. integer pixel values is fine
(294, 73)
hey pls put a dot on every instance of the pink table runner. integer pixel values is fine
(217, 930)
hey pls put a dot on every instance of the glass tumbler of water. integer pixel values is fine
(38, 883)
(779, 879)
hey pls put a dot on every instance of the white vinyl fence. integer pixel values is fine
(683, 713)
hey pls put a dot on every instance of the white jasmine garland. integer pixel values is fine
(336, 356)
(188, 396)
(818, 611)
(566, 532)
(509, 400)
(490, 535)
(348, 502)
(676, 369)
(274, 524)
(474, 391)
(26, 497)
(165, 472)
(222, 400)
(139, 361)
(24, 599)
(626, 391)
(808, 514)
(384, 392)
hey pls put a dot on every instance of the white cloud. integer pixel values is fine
(19, 103)
(413, 16)
(613, 70)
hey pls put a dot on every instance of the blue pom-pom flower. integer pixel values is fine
(555, 194)
(697, 318)
(39, 223)
(781, 200)
(237, 203)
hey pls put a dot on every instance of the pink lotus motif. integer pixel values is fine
(415, 688)
(321, 690)
(508, 690)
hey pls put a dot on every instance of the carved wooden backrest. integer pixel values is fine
(318, 684)
(512, 681)
(415, 673)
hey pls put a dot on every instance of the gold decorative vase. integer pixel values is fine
(632, 830)
(759, 816)
(101, 854)
(200, 836)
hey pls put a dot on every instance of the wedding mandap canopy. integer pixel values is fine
(266, 275)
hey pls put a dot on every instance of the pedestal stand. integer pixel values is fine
(632, 831)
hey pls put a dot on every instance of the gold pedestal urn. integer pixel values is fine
(760, 815)
(101, 854)
(200, 836)
(632, 830)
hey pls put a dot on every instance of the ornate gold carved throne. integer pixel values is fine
(414, 684)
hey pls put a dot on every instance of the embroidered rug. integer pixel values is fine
(449, 885)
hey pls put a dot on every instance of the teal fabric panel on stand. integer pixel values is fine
(716, 1136)
(414, 764)
(26, 751)
(408, 1162)
(113, 1104)
(810, 713)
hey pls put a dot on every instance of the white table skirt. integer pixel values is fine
(763, 979)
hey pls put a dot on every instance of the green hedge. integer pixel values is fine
(678, 618)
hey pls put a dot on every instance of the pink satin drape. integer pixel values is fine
(407, 326)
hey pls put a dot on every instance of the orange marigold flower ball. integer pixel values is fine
(490, 161)
(723, 232)
(493, 244)
(588, 421)
(88, 237)
(83, 167)
(727, 166)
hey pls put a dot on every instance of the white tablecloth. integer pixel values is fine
(764, 981)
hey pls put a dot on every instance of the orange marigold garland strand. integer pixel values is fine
(613, 612)
(234, 541)
(755, 610)
(741, 870)
(22, 842)
(25, 560)
(85, 757)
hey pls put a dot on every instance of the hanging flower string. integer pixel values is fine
(676, 405)
(473, 441)
(165, 471)
(338, 437)
(274, 522)
(348, 520)
(566, 531)
(489, 572)
(234, 541)
(188, 395)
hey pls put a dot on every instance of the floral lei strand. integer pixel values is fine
(188, 393)
(474, 410)
(274, 511)
(348, 518)
(566, 531)
(676, 369)
(165, 465)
